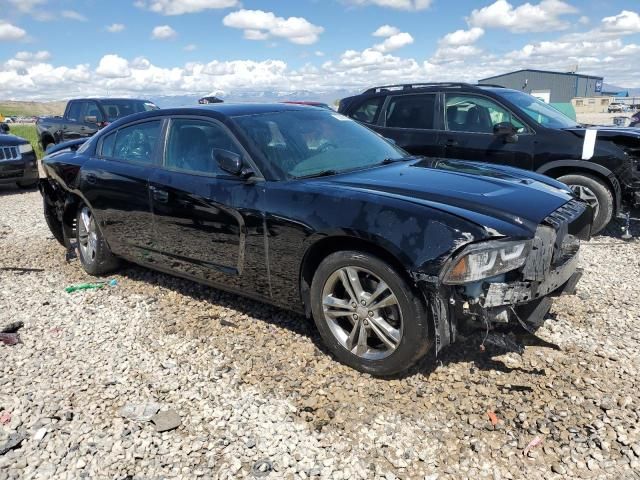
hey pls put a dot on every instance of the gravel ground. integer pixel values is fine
(257, 394)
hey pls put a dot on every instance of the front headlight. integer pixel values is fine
(487, 259)
(25, 148)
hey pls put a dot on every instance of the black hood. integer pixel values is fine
(491, 196)
(11, 140)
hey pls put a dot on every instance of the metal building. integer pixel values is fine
(556, 88)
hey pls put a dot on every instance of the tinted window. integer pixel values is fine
(475, 114)
(90, 109)
(136, 143)
(107, 145)
(191, 146)
(74, 110)
(121, 108)
(305, 143)
(368, 111)
(411, 111)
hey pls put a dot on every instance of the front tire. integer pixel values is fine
(95, 256)
(368, 315)
(596, 193)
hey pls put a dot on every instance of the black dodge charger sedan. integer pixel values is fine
(17, 160)
(310, 211)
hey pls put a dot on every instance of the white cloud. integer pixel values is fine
(115, 28)
(113, 66)
(11, 32)
(180, 7)
(190, 47)
(625, 23)
(545, 16)
(27, 6)
(73, 15)
(40, 56)
(163, 32)
(397, 4)
(462, 37)
(260, 25)
(394, 42)
(386, 31)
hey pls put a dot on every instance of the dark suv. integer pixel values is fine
(499, 125)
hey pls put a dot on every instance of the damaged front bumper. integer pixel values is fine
(522, 296)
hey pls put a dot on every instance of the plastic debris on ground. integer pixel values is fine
(90, 286)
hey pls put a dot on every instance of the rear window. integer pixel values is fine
(115, 109)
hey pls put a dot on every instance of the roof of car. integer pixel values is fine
(236, 109)
(108, 99)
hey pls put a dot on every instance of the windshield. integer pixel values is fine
(309, 142)
(538, 111)
(116, 109)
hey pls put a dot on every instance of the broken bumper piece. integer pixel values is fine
(562, 279)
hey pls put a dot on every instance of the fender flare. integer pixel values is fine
(589, 166)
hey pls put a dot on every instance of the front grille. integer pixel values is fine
(10, 153)
(566, 214)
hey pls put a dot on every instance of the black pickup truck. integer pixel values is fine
(85, 116)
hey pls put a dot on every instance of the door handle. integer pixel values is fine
(451, 142)
(91, 178)
(159, 195)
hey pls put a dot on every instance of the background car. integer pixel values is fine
(85, 116)
(310, 211)
(17, 160)
(503, 126)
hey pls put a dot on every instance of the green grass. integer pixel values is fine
(28, 132)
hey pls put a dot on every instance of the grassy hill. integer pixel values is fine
(10, 108)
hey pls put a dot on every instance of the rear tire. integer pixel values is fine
(596, 193)
(95, 256)
(55, 226)
(375, 322)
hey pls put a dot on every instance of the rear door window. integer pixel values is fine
(137, 142)
(368, 111)
(412, 111)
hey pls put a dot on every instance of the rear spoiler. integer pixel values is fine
(70, 146)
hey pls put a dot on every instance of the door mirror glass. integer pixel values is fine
(91, 119)
(4, 128)
(230, 162)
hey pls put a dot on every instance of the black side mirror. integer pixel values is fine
(91, 119)
(4, 128)
(507, 131)
(231, 163)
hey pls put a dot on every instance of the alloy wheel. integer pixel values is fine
(87, 235)
(362, 312)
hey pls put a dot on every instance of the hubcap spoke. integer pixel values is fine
(347, 285)
(354, 280)
(387, 301)
(333, 302)
(86, 220)
(385, 332)
(353, 335)
(362, 346)
(379, 291)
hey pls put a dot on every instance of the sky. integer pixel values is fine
(58, 49)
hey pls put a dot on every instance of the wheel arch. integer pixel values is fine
(325, 246)
(44, 139)
(559, 168)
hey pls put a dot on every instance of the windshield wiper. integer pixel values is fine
(322, 173)
(387, 161)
